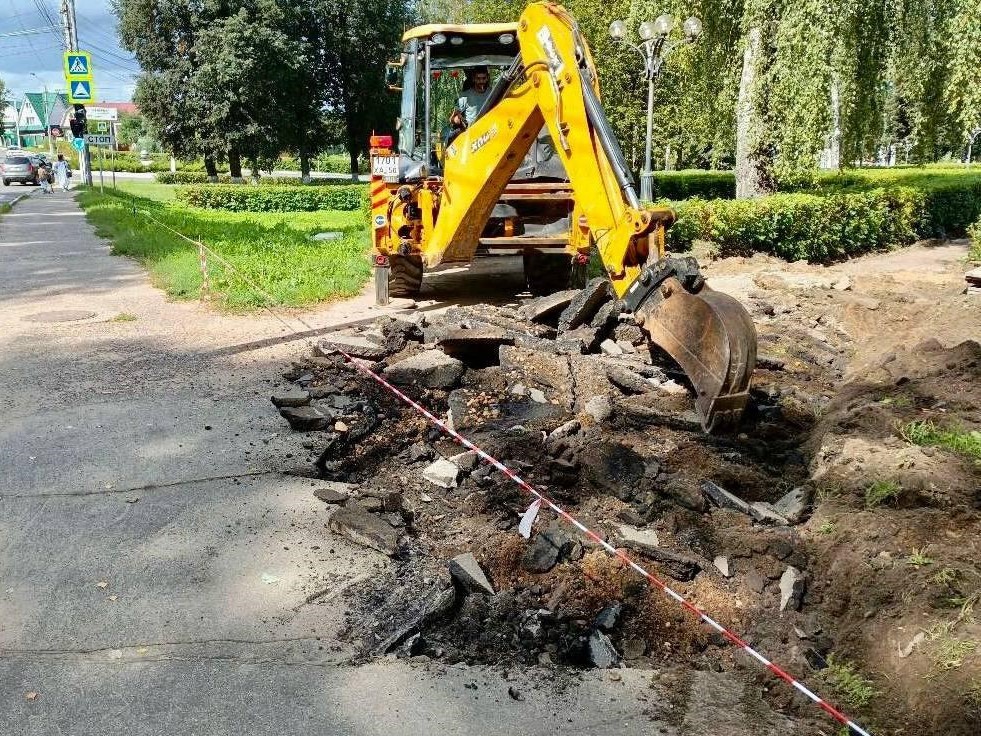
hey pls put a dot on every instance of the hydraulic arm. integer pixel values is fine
(553, 83)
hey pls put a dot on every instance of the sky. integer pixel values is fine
(41, 52)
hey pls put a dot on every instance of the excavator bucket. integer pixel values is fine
(713, 339)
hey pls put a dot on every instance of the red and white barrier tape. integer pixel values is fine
(619, 554)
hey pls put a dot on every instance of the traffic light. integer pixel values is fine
(78, 122)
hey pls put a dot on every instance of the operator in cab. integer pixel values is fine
(476, 90)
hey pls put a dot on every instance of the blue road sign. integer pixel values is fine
(77, 65)
(80, 91)
(78, 144)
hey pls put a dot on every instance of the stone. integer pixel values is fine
(419, 451)
(722, 565)
(546, 307)
(333, 492)
(794, 505)
(476, 346)
(545, 549)
(364, 528)
(679, 566)
(562, 432)
(685, 493)
(634, 648)
(369, 503)
(328, 235)
(606, 317)
(391, 501)
(626, 347)
(756, 581)
(723, 499)
(609, 347)
(442, 473)
(430, 368)
(626, 380)
(768, 362)
(602, 653)
(578, 341)
(600, 408)
(764, 513)
(865, 302)
(671, 387)
(465, 461)
(792, 585)
(629, 333)
(842, 284)
(608, 617)
(537, 395)
(639, 539)
(466, 571)
(585, 304)
(323, 391)
(294, 398)
(354, 345)
(305, 418)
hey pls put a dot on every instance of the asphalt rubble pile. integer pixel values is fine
(565, 390)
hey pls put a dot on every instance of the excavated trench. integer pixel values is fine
(769, 530)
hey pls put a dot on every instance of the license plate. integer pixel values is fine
(386, 167)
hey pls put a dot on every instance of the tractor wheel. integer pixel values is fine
(546, 273)
(405, 277)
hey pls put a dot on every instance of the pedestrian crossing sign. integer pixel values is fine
(81, 91)
(78, 65)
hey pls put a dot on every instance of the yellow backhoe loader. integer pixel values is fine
(503, 147)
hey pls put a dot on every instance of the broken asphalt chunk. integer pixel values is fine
(363, 528)
(443, 473)
(305, 418)
(294, 398)
(792, 584)
(466, 571)
(585, 304)
(430, 368)
(602, 653)
(353, 345)
(723, 499)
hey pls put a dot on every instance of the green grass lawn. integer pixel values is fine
(274, 250)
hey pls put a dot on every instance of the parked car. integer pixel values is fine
(19, 168)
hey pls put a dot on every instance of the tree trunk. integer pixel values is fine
(304, 167)
(834, 147)
(352, 149)
(749, 174)
(235, 165)
(211, 169)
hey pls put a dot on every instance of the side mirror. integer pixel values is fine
(393, 74)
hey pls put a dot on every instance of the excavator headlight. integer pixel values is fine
(456, 41)
(506, 38)
(437, 38)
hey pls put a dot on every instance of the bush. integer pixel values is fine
(678, 185)
(200, 177)
(827, 227)
(974, 233)
(238, 198)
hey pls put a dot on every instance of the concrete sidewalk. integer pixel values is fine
(154, 562)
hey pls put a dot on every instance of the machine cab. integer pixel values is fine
(444, 69)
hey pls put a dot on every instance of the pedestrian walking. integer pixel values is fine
(44, 177)
(62, 172)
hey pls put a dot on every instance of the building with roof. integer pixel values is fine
(25, 122)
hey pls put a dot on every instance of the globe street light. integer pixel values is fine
(654, 48)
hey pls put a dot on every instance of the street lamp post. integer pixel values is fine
(654, 49)
(47, 114)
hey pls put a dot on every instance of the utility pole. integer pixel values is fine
(70, 30)
(47, 115)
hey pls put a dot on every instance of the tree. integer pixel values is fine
(365, 35)
(4, 95)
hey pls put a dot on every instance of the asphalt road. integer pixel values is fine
(155, 563)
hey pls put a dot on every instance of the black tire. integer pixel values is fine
(546, 273)
(405, 276)
(6, 182)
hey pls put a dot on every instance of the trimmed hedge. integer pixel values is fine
(200, 177)
(824, 228)
(677, 185)
(238, 198)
